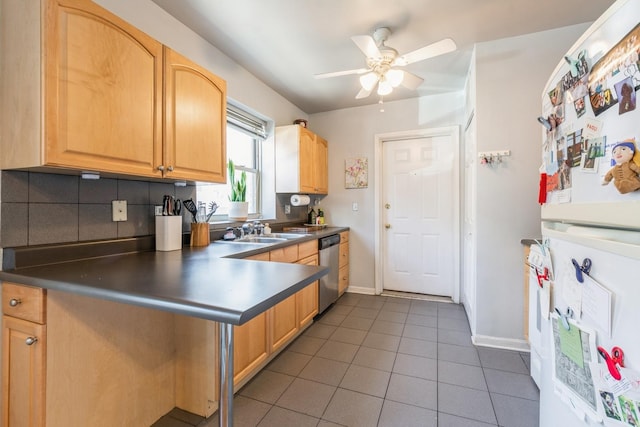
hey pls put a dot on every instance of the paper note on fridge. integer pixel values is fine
(571, 290)
(596, 304)
(571, 344)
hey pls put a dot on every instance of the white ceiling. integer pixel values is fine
(285, 42)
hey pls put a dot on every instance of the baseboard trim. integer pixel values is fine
(361, 290)
(502, 343)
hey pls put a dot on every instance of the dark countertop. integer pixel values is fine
(199, 282)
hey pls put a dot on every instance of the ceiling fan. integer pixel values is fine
(382, 61)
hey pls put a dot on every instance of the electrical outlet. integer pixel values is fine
(119, 210)
(287, 209)
(158, 210)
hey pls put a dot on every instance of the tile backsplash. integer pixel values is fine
(40, 208)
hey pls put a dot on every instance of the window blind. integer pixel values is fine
(247, 123)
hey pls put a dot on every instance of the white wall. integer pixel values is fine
(351, 133)
(510, 76)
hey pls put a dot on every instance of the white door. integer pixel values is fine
(420, 214)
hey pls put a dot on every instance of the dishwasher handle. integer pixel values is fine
(328, 241)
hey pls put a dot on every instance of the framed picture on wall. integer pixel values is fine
(356, 171)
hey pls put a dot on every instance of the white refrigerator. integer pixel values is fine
(584, 293)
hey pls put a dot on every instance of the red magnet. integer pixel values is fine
(616, 358)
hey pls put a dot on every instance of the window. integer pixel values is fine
(244, 135)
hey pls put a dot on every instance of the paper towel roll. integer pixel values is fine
(300, 200)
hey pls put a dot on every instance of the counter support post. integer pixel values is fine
(225, 405)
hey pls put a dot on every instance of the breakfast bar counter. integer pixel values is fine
(192, 282)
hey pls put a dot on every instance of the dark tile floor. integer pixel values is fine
(385, 361)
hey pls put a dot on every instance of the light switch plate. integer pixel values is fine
(119, 210)
(354, 206)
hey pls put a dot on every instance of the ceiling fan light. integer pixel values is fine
(384, 87)
(368, 81)
(395, 77)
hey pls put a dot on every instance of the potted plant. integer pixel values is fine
(239, 207)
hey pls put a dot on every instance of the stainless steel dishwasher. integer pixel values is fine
(329, 248)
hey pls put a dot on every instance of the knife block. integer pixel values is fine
(200, 234)
(168, 233)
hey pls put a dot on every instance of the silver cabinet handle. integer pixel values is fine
(170, 168)
(30, 340)
(13, 302)
(161, 167)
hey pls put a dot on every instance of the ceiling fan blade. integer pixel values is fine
(411, 81)
(363, 93)
(340, 73)
(367, 45)
(434, 49)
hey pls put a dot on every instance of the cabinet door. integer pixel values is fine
(343, 263)
(307, 161)
(343, 279)
(250, 346)
(321, 172)
(307, 299)
(23, 373)
(103, 91)
(195, 121)
(284, 324)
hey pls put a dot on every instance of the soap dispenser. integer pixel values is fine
(266, 229)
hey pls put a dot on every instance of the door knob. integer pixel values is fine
(387, 226)
(387, 206)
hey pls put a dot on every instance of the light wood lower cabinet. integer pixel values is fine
(23, 372)
(343, 278)
(257, 342)
(307, 299)
(24, 344)
(284, 324)
(250, 346)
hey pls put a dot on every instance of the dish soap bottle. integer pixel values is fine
(266, 229)
(311, 218)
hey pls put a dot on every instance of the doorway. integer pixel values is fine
(417, 212)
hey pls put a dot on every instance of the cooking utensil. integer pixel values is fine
(213, 207)
(190, 205)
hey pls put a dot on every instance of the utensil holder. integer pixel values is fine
(168, 233)
(200, 234)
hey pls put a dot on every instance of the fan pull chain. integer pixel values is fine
(381, 102)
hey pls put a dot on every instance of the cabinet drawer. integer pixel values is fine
(286, 254)
(307, 249)
(344, 254)
(24, 302)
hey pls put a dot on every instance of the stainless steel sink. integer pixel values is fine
(287, 236)
(257, 239)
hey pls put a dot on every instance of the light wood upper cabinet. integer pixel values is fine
(301, 161)
(195, 121)
(321, 171)
(82, 89)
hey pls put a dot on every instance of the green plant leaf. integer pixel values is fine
(238, 188)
